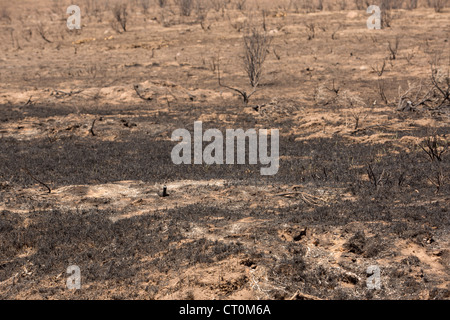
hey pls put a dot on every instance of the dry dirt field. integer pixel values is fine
(88, 114)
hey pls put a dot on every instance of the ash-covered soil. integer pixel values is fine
(90, 115)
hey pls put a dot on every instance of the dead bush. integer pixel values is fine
(393, 48)
(440, 79)
(218, 5)
(5, 15)
(256, 48)
(438, 5)
(120, 14)
(361, 4)
(41, 29)
(386, 13)
(145, 4)
(411, 4)
(241, 4)
(162, 3)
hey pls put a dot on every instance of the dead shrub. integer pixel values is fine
(411, 4)
(386, 13)
(256, 47)
(438, 5)
(162, 3)
(241, 5)
(218, 5)
(145, 4)
(185, 7)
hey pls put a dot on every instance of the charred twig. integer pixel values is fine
(276, 54)
(37, 180)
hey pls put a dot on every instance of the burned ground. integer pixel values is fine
(355, 187)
